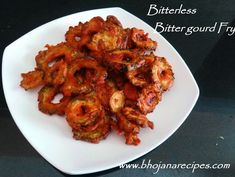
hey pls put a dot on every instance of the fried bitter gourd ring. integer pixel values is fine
(87, 119)
(73, 35)
(141, 39)
(121, 57)
(97, 134)
(83, 114)
(73, 87)
(137, 76)
(139, 73)
(111, 37)
(162, 73)
(45, 101)
(136, 117)
(78, 36)
(55, 53)
(149, 97)
(56, 74)
(32, 79)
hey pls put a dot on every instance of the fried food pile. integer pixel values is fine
(107, 76)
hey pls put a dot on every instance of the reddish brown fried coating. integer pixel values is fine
(132, 138)
(113, 20)
(45, 101)
(72, 86)
(162, 73)
(139, 72)
(136, 117)
(125, 125)
(93, 26)
(141, 39)
(87, 118)
(108, 77)
(131, 91)
(138, 76)
(118, 60)
(78, 36)
(83, 114)
(61, 51)
(110, 37)
(32, 79)
(149, 97)
(73, 35)
(129, 129)
(96, 135)
(56, 74)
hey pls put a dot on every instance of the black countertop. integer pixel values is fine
(207, 136)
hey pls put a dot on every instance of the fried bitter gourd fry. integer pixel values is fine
(108, 77)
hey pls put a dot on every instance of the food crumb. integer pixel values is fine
(221, 137)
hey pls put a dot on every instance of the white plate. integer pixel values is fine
(52, 137)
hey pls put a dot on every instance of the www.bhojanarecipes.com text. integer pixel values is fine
(147, 164)
(217, 27)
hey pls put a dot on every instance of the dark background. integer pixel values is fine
(207, 136)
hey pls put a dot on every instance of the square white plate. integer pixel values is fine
(52, 137)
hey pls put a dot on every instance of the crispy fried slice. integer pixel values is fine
(73, 35)
(117, 101)
(129, 129)
(118, 78)
(162, 73)
(57, 73)
(125, 125)
(149, 59)
(104, 92)
(45, 101)
(136, 117)
(78, 36)
(113, 20)
(111, 37)
(93, 26)
(83, 114)
(55, 53)
(118, 60)
(149, 98)
(139, 76)
(73, 86)
(141, 39)
(138, 72)
(32, 79)
(132, 138)
(97, 134)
